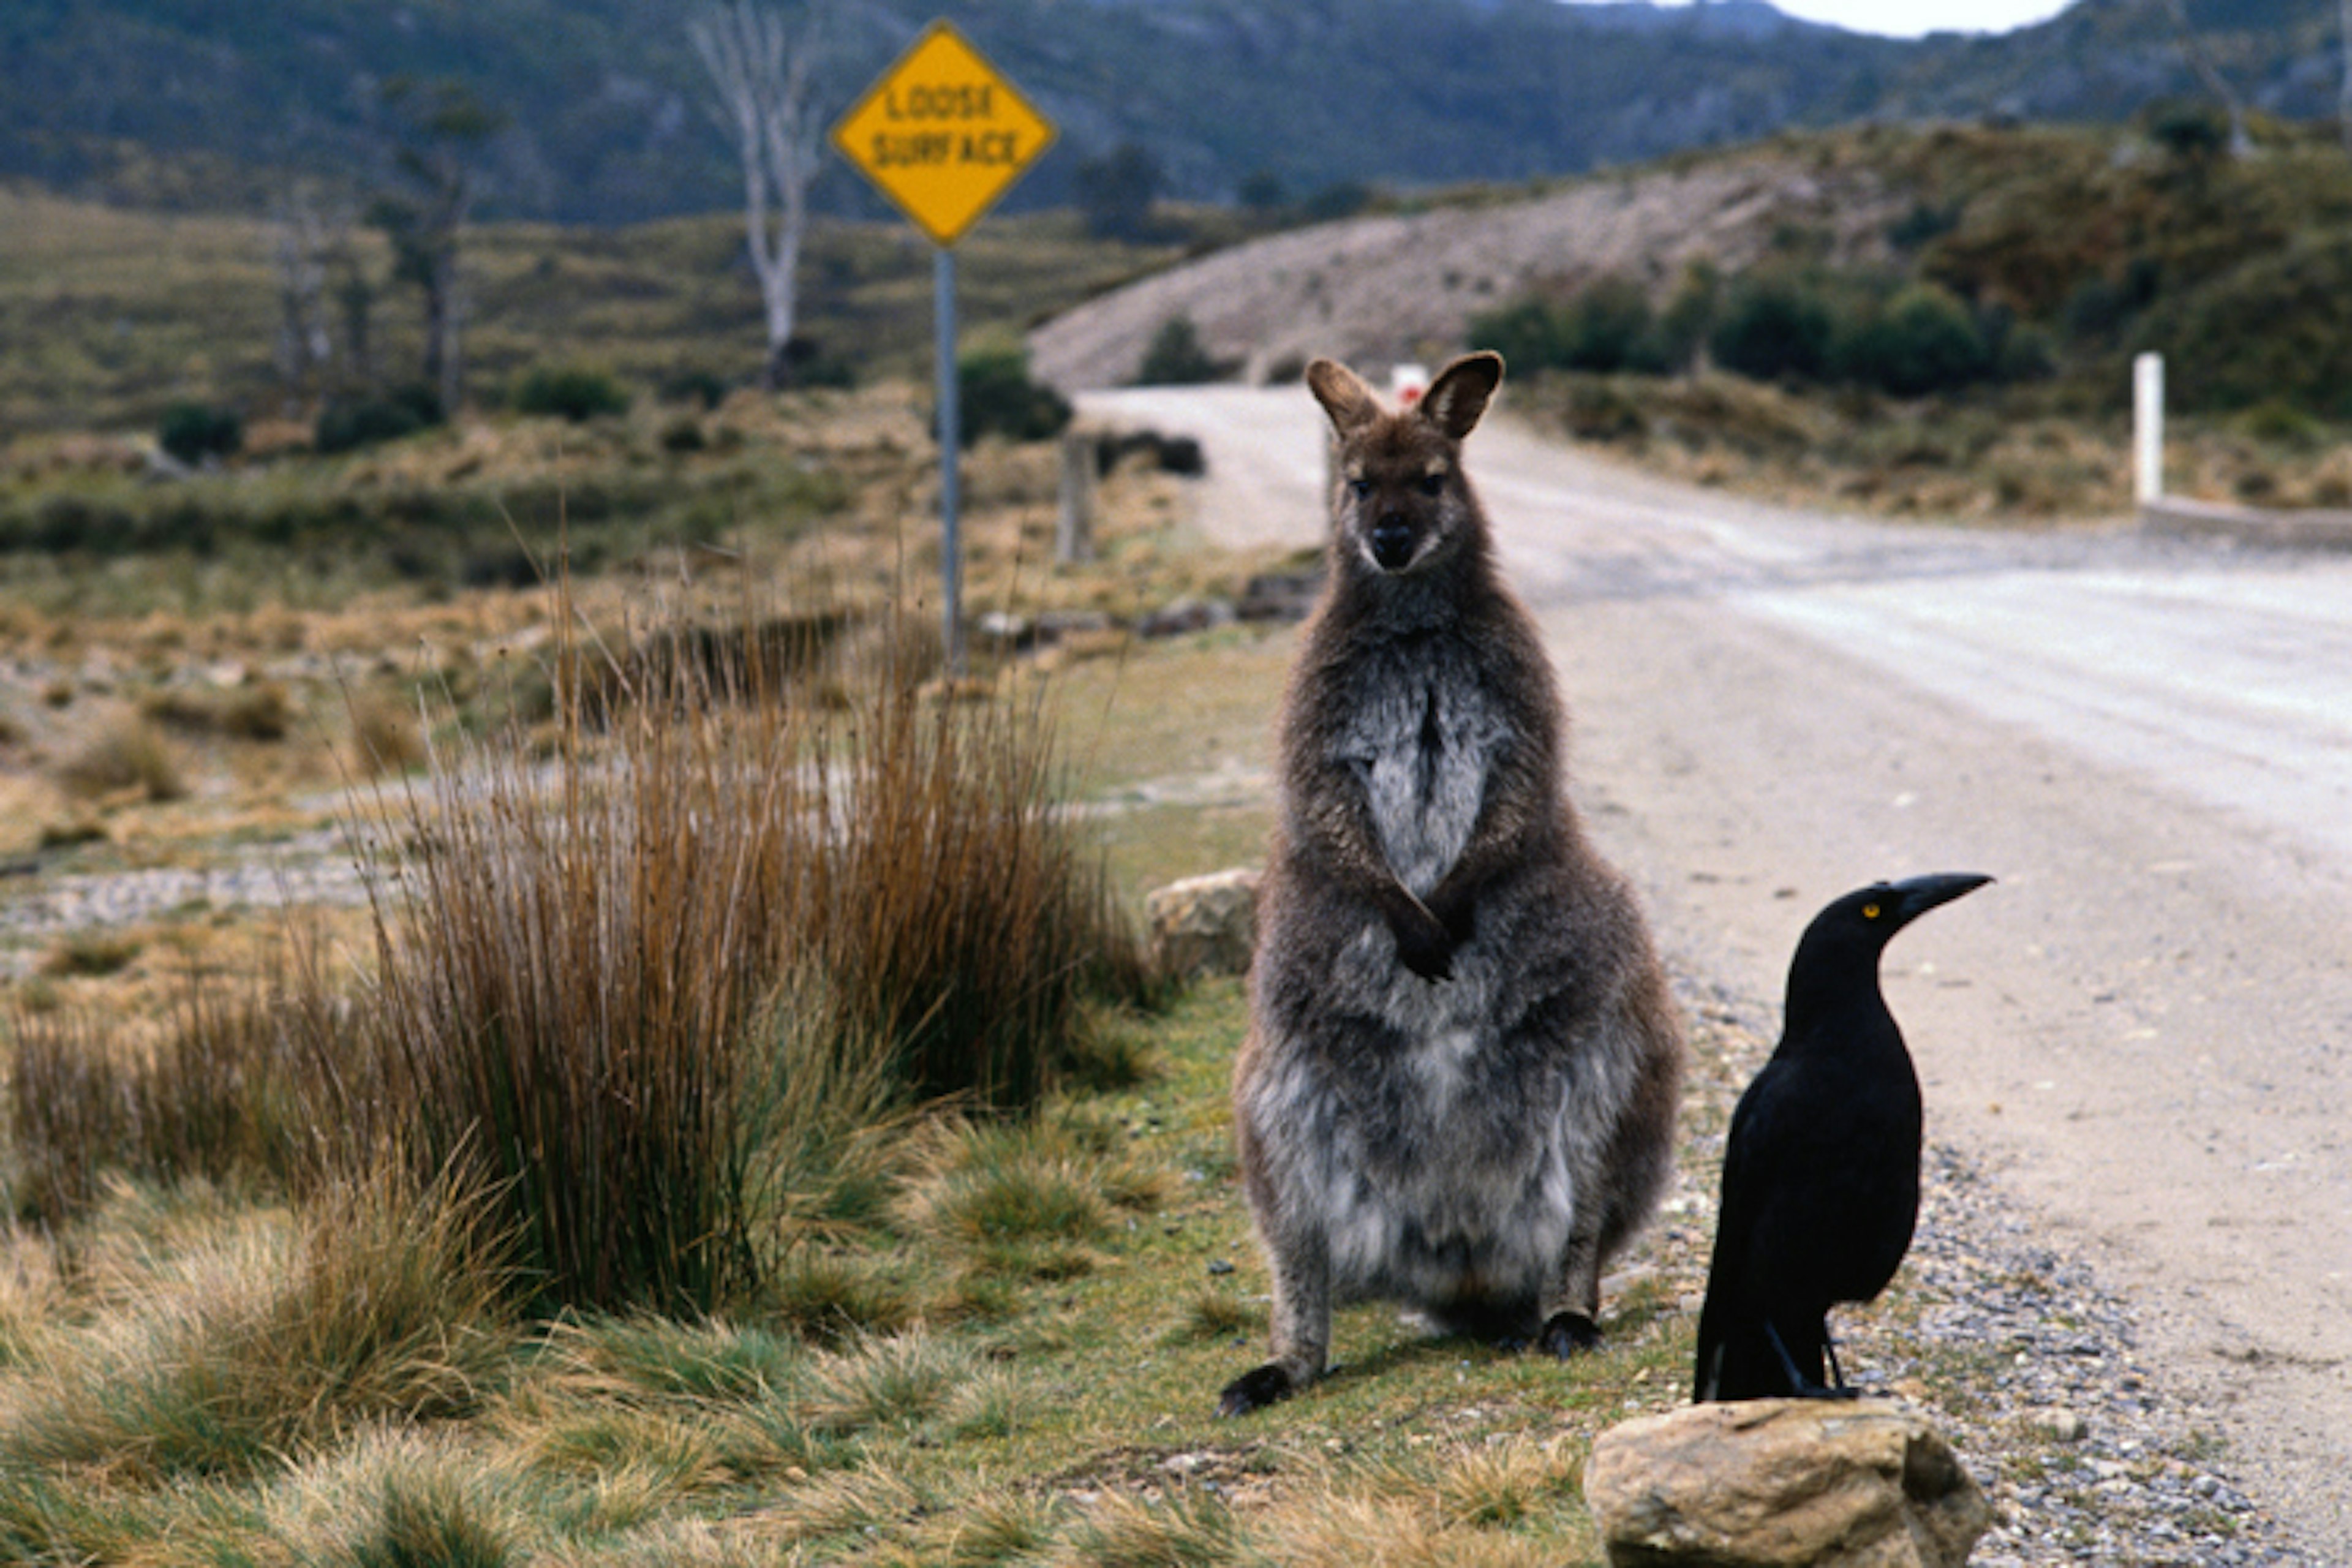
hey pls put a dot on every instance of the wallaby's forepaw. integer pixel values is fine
(1569, 1333)
(1255, 1390)
(1426, 950)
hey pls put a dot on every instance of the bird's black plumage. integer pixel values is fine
(1820, 1173)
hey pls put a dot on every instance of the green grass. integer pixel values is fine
(118, 314)
(1070, 1424)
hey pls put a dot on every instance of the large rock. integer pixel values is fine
(1204, 925)
(1777, 1483)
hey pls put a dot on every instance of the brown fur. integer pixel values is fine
(1459, 1085)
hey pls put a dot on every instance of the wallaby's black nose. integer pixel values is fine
(1393, 542)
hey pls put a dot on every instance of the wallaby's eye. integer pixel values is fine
(1362, 488)
(1433, 484)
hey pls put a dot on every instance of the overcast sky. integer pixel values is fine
(1912, 18)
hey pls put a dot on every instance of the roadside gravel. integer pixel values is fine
(2028, 1365)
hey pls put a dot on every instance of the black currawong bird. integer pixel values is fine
(1821, 1175)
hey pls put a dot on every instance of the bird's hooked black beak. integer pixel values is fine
(1915, 895)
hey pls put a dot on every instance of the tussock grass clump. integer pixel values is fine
(1375, 1532)
(1190, 1529)
(661, 994)
(386, 1304)
(896, 1382)
(392, 1496)
(213, 1095)
(385, 738)
(1005, 1527)
(959, 915)
(92, 954)
(431, 1519)
(848, 1502)
(69, 1107)
(263, 711)
(1213, 1315)
(560, 1002)
(1024, 1200)
(833, 1298)
(129, 756)
(644, 1358)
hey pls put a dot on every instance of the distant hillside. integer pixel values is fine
(191, 102)
(1378, 291)
(2021, 263)
(2104, 59)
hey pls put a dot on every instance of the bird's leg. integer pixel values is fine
(1837, 1372)
(1799, 1385)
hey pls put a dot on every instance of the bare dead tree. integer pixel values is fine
(308, 230)
(2344, 92)
(762, 65)
(442, 129)
(2192, 49)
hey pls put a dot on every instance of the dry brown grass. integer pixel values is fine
(382, 1303)
(130, 757)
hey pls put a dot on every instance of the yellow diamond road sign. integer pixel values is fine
(943, 133)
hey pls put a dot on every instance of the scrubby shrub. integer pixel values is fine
(346, 424)
(700, 386)
(2188, 130)
(2276, 327)
(1773, 327)
(1610, 327)
(1921, 341)
(192, 432)
(808, 363)
(568, 391)
(1175, 356)
(995, 396)
(1525, 332)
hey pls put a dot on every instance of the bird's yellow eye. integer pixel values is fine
(1869, 911)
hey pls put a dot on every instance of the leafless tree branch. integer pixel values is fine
(761, 66)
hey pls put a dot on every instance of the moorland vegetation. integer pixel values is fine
(705, 1100)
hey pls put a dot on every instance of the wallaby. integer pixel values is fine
(1459, 1085)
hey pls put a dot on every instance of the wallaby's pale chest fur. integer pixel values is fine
(1424, 745)
(1459, 1086)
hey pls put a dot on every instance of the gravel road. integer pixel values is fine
(2135, 1043)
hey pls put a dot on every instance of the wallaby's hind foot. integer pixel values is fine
(1567, 1334)
(1255, 1390)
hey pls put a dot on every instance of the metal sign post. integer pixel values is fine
(944, 134)
(944, 313)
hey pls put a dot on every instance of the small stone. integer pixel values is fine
(1186, 615)
(1204, 925)
(1058, 625)
(1218, 1266)
(1003, 629)
(2058, 1425)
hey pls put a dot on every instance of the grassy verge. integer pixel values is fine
(2001, 456)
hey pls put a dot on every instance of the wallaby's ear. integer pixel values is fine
(1459, 396)
(1343, 394)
